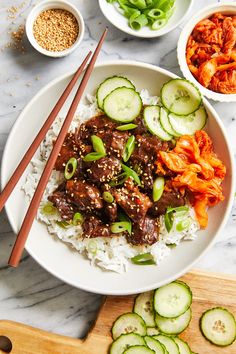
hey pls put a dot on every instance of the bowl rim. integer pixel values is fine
(229, 201)
(153, 34)
(206, 12)
(50, 4)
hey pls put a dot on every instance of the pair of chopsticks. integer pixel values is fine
(34, 204)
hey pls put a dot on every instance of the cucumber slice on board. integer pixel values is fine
(189, 124)
(169, 343)
(172, 300)
(125, 341)
(174, 325)
(154, 345)
(152, 331)
(180, 97)
(128, 323)
(183, 346)
(110, 84)
(123, 104)
(151, 116)
(218, 326)
(165, 123)
(143, 306)
(139, 349)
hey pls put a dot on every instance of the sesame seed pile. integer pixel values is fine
(56, 29)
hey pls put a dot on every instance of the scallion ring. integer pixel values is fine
(143, 259)
(108, 197)
(129, 148)
(118, 180)
(131, 173)
(70, 168)
(77, 219)
(183, 225)
(48, 209)
(129, 126)
(120, 226)
(98, 145)
(158, 188)
(169, 220)
(63, 224)
(92, 156)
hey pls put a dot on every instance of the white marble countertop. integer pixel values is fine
(29, 294)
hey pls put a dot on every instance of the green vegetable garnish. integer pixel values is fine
(92, 156)
(63, 224)
(131, 173)
(183, 225)
(169, 220)
(70, 168)
(49, 209)
(108, 197)
(178, 211)
(120, 226)
(129, 126)
(77, 219)
(158, 188)
(98, 145)
(123, 217)
(143, 259)
(118, 180)
(129, 148)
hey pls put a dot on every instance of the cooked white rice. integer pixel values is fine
(108, 253)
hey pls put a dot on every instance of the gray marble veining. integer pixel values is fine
(29, 294)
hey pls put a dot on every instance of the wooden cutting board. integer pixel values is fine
(209, 290)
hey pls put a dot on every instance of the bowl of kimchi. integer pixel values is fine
(207, 51)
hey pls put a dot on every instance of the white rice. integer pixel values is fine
(108, 253)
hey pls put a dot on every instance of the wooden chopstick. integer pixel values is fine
(40, 136)
(34, 204)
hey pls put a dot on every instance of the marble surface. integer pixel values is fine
(29, 294)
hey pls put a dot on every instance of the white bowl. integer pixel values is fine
(182, 8)
(57, 257)
(53, 4)
(226, 8)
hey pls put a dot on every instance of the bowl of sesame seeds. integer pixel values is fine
(55, 28)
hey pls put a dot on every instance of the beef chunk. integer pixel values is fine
(110, 211)
(144, 232)
(168, 199)
(141, 126)
(147, 149)
(134, 203)
(59, 200)
(69, 149)
(97, 125)
(93, 227)
(85, 196)
(104, 169)
(114, 141)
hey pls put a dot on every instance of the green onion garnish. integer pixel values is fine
(129, 126)
(158, 188)
(77, 219)
(98, 145)
(92, 156)
(92, 247)
(123, 217)
(176, 209)
(169, 220)
(120, 226)
(63, 224)
(131, 173)
(108, 197)
(118, 180)
(129, 148)
(49, 209)
(143, 259)
(70, 168)
(183, 225)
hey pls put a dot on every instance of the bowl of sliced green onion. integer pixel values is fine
(145, 18)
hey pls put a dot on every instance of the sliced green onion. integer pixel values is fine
(180, 208)
(63, 224)
(120, 226)
(108, 197)
(137, 22)
(123, 217)
(140, 4)
(92, 156)
(77, 219)
(169, 220)
(131, 173)
(129, 148)
(98, 145)
(158, 188)
(183, 225)
(143, 259)
(155, 14)
(49, 209)
(70, 168)
(172, 245)
(158, 24)
(92, 247)
(118, 180)
(129, 126)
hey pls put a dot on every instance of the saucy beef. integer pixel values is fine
(69, 149)
(168, 199)
(141, 126)
(110, 210)
(104, 169)
(144, 231)
(93, 227)
(115, 142)
(59, 200)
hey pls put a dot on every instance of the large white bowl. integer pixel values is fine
(67, 264)
(225, 8)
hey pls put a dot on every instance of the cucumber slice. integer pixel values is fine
(128, 323)
(174, 325)
(183, 346)
(172, 300)
(218, 326)
(169, 343)
(123, 104)
(189, 124)
(152, 331)
(110, 84)
(143, 306)
(139, 349)
(151, 116)
(180, 97)
(125, 341)
(165, 123)
(154, 345)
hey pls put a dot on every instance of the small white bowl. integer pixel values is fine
(112, 13)
(225, 8)
(53, 4)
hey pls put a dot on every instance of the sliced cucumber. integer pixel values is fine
(165, 123)
(169, 343)
(151, 116)
(139, 349)
(180, 97)
(152, 331)
(154, 345)
(218, 326)
(125, 341)
(172, 300)
(174, 325)
(183, 346)
(143, 306)
(189, 124)
(123, 104)
(128, 323)
(110, 84)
